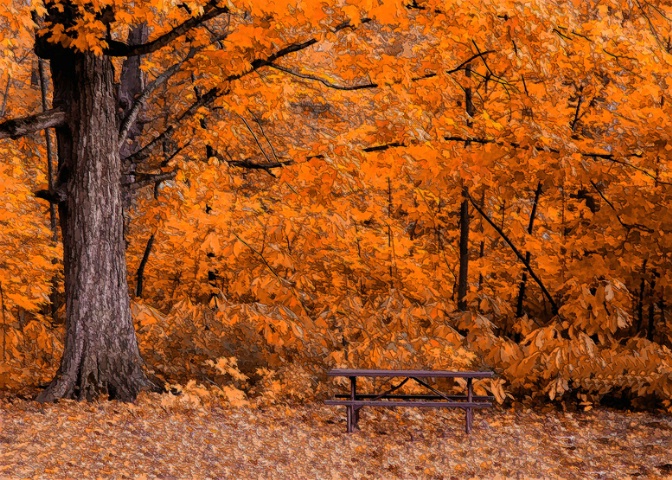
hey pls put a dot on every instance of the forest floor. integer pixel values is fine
(155, 438)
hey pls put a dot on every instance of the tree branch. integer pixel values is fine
(594, 155)
(627, 226)
(141, 268)
(517, 252)
(121, 49)
(379, 148)
(3, 107)
(208, 97)
(258, 166)
(132, 115)
(469, 60)
(216, 92)
(20, 127)
(324, 82)
(145, 179)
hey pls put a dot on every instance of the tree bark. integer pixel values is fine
(463, 276)
(101, 353)
(528, 255)
(140, 275)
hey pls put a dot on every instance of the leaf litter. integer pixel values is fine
(155, 438)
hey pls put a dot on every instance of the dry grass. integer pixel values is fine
(151, 440)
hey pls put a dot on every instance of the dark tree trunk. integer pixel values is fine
(652, 305)
(140, 275)
(463, 276)
(130, 87)
(640, 303)
(528, 255)
(101, 354)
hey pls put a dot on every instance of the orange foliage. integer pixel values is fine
(313, 218)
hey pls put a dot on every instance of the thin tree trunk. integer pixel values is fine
(463, 276)
(390, 241)
(101, 353)
(528, 255)
(3, 107)
(4, 323)
(44, 83)
(652, 304)
(640, 302)
(481, 248)
(521, 257)
(51, 162)
(141, 269)
(130, 87)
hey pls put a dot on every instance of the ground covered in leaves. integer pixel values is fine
(155, 438)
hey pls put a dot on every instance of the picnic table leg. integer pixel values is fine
(352, 412)
(470, 411)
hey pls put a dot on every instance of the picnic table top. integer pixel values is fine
(344, 372)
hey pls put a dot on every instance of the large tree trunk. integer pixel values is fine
(101, 353)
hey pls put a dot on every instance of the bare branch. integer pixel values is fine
(205, 99)
(3, 107)
(120, 49)
(469, 60)
(132, 115)
(324, 82)
(517, 252)
(217, 92)
(261, 149)
(145, 179)
(20, 127)
(594, 155)
(263, 133)
(627, 226)
(259, 166)
(379, 148)
(282, 280)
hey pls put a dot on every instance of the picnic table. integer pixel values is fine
(355, 401)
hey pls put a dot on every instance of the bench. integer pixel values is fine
(355, 401)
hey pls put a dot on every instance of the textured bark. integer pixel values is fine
(101, 353)
(131, 86)
(20, 127)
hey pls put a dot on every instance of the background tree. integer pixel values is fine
(306, 214)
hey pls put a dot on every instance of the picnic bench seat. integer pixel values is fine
(355, 401)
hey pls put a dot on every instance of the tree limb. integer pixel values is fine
(121, 49)
(145, 179)
(132, 115)
(627, 226)
(19, 127)
(216, 92)
(208, 97)
(469, 60)
(524, 261)
(141, 269)
(324, 82)
(3, 107)
(379, 148)
(258, 166)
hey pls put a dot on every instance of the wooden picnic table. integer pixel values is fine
(355, 401)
